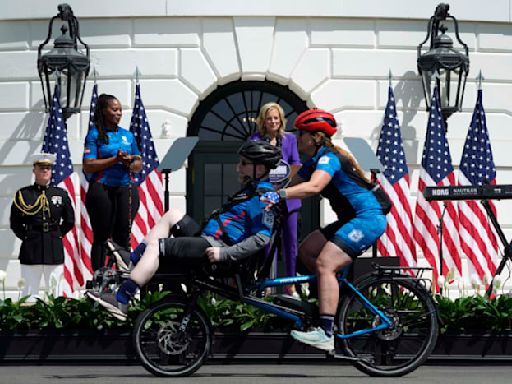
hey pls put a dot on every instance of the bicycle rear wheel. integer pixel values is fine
(404, 347)
(164, 349)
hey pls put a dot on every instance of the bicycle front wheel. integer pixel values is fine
(407, 344)
(167, 345)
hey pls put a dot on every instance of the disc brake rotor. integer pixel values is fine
(390, 333)
(171, 340)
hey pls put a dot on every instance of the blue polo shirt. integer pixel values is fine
(118, 175)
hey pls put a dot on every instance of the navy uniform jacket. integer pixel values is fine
(42, 233)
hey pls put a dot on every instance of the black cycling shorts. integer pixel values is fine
(329, 232)
(178, 254)
(187, 226)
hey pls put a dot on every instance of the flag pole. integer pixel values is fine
(148, 183)
(131, 183)
(392, 176)
(373, 174)
(373, 179)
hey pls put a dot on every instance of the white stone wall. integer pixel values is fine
(338, 63)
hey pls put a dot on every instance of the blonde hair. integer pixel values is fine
(260, 120)
(323, 139)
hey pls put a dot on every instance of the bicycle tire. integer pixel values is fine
(162, 348)
(394, 352)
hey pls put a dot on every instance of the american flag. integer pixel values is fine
(437, 170)
(149, 180)
(398, 238)
(477, 236)
(86, 234)
(56, 142)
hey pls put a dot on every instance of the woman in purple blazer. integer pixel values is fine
(271, 123)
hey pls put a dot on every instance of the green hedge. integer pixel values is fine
(463, 315)
(475, 314)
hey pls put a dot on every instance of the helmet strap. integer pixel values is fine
(262, 177)
(319, 142)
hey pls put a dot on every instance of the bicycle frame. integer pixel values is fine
(342, 279)
(290, 313)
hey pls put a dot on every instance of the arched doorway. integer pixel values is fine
(222, 122)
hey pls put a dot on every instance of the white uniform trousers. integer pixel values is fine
(53, 279)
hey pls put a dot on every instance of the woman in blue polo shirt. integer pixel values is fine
(111, 155)
(360, 206)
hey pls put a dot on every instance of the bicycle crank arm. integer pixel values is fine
(343, 357)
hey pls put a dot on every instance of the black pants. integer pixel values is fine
(111, 210)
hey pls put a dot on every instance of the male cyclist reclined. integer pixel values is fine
(238, 230)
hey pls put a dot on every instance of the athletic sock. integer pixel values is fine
(137, 253)
(327, 324)
(126, 291)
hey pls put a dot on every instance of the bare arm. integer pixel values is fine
(319, 180)
(133, 162)
(296, 180)
(294, 168)
(98, 165)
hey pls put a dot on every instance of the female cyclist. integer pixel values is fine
(360, 206)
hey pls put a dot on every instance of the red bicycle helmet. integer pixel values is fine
(316, 120)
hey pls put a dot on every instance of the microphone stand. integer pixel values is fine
(166, 173)
(507, 246)
(373, 179)
(440, 233)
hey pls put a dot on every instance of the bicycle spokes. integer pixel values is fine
(400, 348)
(171, 342)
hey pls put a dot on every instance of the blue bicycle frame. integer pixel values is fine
(385, 322)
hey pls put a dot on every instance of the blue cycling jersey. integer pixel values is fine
(349, 194)
(359, 205)
(243, 217)
(122, 139)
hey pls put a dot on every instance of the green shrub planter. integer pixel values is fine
(62, 329)
(52, 345)
(487, 346)
(116, 346)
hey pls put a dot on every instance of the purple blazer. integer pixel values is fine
(290, 154)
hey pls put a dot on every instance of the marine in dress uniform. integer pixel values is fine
(41, 215)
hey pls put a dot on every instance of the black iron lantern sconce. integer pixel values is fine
(442, 65)
(64, 64)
